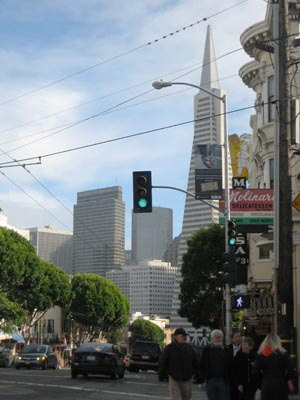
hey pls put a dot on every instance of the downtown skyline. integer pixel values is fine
(39, 52)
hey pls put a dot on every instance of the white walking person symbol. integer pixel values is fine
(239, 302)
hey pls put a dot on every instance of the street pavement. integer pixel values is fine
(37, 384)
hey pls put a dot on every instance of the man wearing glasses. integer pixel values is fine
(179, 362)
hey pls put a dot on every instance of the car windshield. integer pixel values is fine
(99, 347)
(146, 347)
(34, 349)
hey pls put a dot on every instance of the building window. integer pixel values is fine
(50, 325)
(264, 253)
(271, 93)
(271, 172)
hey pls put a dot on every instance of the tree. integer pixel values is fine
(201, 287)
(43, 287)
(11, 314)
(97, 305)
(16, 256)
(147, 330)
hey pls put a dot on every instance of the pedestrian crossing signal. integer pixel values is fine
(241, 301)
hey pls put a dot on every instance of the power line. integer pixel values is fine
(98, 64)
(124, 89)
(155, 130)
(110, 110)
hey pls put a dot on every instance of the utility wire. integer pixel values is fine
(98, 64)
(125, 89)
(110, 110)
(155, 130)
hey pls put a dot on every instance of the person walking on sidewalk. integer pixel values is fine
(179, 362)
(243, 379)
(235, 347)
(215, 367)
(274, 366)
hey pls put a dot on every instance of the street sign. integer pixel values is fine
(248, 221)
(241, 249)
(296, 203)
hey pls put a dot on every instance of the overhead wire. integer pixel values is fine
(155, 130)
(98, 64)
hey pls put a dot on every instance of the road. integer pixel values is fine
(37, 384)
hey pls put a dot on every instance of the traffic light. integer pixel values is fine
(229, 268)
(240, 302)
(231, 230)
(142, 192)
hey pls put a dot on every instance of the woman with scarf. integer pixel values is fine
(274, 366)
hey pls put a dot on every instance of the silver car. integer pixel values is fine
(6, 357)
(40, 356)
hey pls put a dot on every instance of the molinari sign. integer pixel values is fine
(251, 205)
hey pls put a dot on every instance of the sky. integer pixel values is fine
(87, 63)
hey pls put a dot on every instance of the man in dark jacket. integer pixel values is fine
(215, 367)
(179, 362)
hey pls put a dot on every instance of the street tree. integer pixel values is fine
(201, 287)
(98, 306)
(146, 330)
(12, 314)
(42, 288)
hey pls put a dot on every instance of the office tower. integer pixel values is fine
(149, 286)
(99, 231)
(54, 245)
(207, 129)
(171, 253)
(151, 234)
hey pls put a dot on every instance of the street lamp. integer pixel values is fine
(162, 84)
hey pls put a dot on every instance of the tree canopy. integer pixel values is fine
(28, 286)
(98, 305)
(147, 330)
(201, 287)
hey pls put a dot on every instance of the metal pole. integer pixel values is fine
(276, 161)
(227, 218)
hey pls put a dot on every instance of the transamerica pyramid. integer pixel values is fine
(207, 129)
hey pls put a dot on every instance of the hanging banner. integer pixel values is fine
(208, 171)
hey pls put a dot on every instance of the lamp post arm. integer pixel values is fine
(190, 194)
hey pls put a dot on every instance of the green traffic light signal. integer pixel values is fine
(142, 203)
(232, 241)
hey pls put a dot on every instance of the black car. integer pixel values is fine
(145, 356)
(98, 358)
(40, 356)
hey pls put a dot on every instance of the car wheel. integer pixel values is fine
(161, 378)
(85, 374)
(45, 366)
(74, 374)
(54, 366)
(17, 367)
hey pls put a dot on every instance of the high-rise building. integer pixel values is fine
(54, 245)
(207, 130)
(171, 253)
(99, 231)
(149, 286)
(151, 234)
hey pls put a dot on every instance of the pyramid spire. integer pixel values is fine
(209, 77)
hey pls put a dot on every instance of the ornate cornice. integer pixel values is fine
(249, 72)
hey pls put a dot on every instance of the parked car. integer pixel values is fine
(6, 357)
(41, 356)
(98, 358)
(145, 356)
